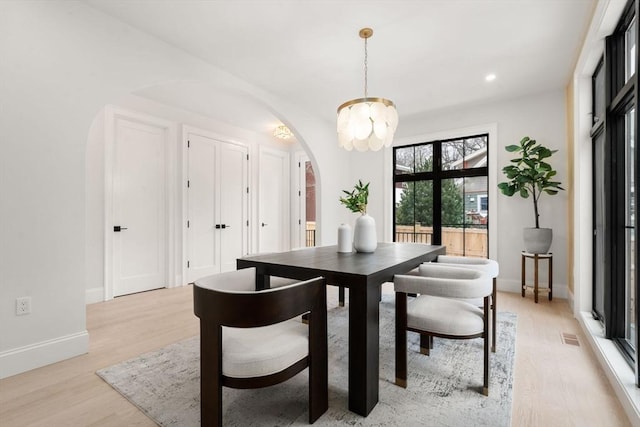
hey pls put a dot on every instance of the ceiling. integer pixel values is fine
(424, 55)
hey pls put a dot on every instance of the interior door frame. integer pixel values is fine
(186, 130)
(112, 113)
(299, 238)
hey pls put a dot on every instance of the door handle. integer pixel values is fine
(118, 228)
(218, 226)
(263, 224)
(222, 226)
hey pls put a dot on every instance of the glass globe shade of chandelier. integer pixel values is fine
(366, 123)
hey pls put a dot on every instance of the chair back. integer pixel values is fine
(445, 281)
(488, 265)
(230, 299)
(237, 280)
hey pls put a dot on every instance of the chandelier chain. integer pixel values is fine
(366, 57)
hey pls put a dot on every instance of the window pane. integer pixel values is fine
(476, 210)
(600, 219)
(410, 160)
(424, 158)
(452, 202)
(414, 212)
(630, 50)
(404, 161)
(476, 200)
(452, 209)
(630, 235)
(452, 155)
(475, 152)
(465, 216)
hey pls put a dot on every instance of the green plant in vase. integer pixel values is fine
(364, 233)
(357, 199)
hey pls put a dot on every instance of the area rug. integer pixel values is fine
(443, 389)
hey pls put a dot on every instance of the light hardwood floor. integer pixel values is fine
(555, 384)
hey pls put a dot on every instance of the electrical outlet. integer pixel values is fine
(23, 306)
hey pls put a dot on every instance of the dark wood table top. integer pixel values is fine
(325, 260)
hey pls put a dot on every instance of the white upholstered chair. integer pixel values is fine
(490, 267)
(438, 310)
(249, 338)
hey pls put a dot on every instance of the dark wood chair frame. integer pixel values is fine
(426, 340)
(494, 315)
(217, 308)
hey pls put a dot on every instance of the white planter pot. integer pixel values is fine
(364, 234)
(537, 240)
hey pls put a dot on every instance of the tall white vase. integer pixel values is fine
(364, 234)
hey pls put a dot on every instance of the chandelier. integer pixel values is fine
(282, 132)
(366, 123)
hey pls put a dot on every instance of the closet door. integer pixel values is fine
(203, 257)
(217, 205)
(234, 231)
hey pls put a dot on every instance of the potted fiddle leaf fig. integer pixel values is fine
(529, 174)
(364, 233)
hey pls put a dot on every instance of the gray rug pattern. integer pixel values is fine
(443, 389)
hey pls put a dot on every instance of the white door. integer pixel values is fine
(273, 206)
(139, 206)
(217, 205)
(234, 204)
(202, 252)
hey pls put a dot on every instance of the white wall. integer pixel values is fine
(62, 62)
(542, 117)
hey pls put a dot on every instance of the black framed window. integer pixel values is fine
(615, 171)
(441, 194)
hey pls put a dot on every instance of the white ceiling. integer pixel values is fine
(424, 55)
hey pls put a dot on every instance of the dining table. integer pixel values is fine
(363, 274)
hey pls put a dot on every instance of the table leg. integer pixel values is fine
(494, 314)
(550, 278)
(263, 281)
(523, 275)
(535, 278)
(364, 319)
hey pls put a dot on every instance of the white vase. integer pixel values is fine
(364, 234)
(345, 244)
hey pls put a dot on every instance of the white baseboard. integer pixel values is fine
(22, 359)
(614, 365)
(94, 295)
(560, 290)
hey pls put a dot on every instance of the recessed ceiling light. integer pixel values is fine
(490, 77)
